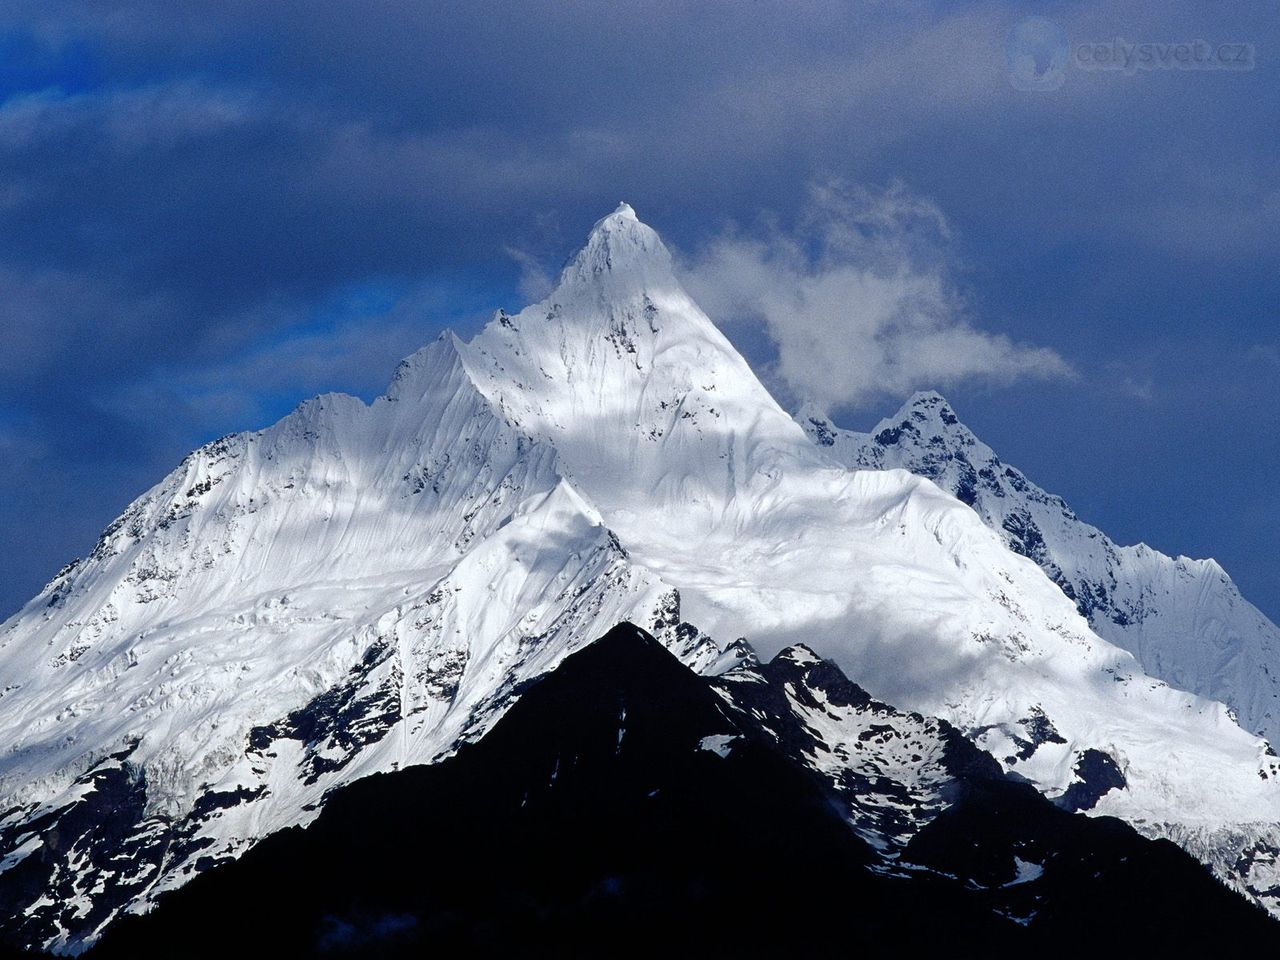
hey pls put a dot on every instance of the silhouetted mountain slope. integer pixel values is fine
(624, 804)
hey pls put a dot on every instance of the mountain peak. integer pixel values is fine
(799, 654)
(925, 417)
(928, 405)
(928, 421)
(622, 257)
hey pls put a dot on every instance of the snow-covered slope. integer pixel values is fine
(704, 478)
(354, 589)
(1183, 619)
(893, 772)
(360, 587)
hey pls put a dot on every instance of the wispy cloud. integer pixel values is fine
(860, 299)
(535, 281)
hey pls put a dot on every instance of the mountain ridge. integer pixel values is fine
(1215, 643)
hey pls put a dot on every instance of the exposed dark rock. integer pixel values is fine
(1096, 774)
(625, 804)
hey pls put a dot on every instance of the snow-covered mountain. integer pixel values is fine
(1183, 619)
(364, 587)
(355, 589)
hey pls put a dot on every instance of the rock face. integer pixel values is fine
(625, 799)
(363, 588)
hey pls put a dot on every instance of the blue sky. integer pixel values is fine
(211, 211)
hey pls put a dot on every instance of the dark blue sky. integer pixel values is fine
(211, 211)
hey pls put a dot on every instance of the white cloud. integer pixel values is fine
(859, 300)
